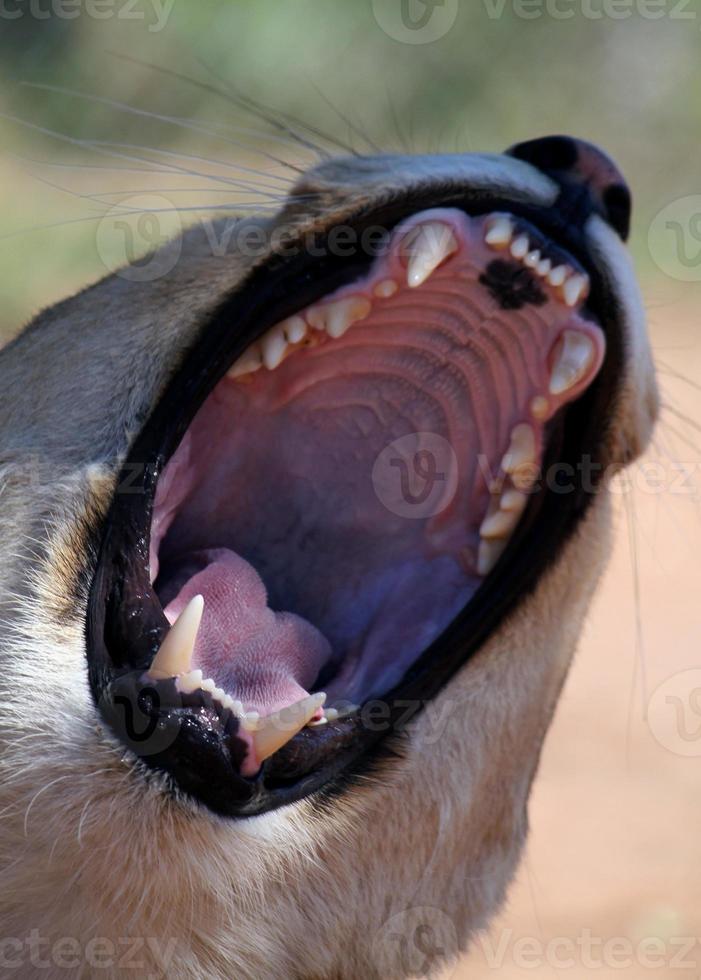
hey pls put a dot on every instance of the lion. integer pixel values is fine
(298, 539)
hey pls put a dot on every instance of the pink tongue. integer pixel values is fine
(265, 659)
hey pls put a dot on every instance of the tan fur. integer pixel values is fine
(89, 846)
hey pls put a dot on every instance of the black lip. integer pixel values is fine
(125, 624)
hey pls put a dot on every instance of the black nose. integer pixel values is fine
(582, 170)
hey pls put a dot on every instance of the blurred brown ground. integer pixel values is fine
(615, 846)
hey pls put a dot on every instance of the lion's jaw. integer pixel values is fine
(93, 848)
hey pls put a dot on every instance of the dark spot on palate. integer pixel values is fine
(511, 285)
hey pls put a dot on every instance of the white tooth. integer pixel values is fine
(543, 267)
(522, 448)
(500, 524)
(176, 651)
(208, 685)
(348, 708)
(574, 289)
(251, 360)
(540, 407)
(342, 314)
(513, 500)
(187, 683)
(532, 259)
(237, 708)
(331, 714)
(229, 702)
(294, 328)
(319, 721)
(500, 231)
(488, 555)
(520, 246)
(574, 359)
(386, 288)
(277, 729)
(557, 276)
(219, 694)
(316, 316)
(433, 244)
(274, 346)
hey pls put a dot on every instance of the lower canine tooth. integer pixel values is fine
(277, 729)
(430, 246)
(176, 651)
(573, 361)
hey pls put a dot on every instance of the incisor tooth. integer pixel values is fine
(175, 653)
(543, 267)
(522, 449)
(187, 683)
(277, 729)
(574, 359)
(294, 328)
(274, 345)
(557, 276)
(500, 231)
(433, 244)
(532, 259)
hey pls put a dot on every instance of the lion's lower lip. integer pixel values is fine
(210, 701)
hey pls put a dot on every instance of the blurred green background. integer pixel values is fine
(502, 71)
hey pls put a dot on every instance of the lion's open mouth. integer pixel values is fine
(350, 504)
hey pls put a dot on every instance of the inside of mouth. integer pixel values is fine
(343, 491)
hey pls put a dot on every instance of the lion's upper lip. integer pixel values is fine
(126, 624)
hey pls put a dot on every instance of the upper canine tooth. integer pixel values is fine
(176, 651)
(575, 288)
(276, 730)
(520, 246)
(522, 448)
(433, 244)
(574, 359)
(274, 345)
(500, 231)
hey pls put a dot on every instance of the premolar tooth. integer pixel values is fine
(251, 360)
(386, 288)
(520, 246)
(500, 524)
(574, 359)
(513, 500)
(176, 651)
(277, 729)
(522, 448)
(489, 553)
(342, 314)
(575, 289)
(294, 328)
(557, 276)
(500, 231)
(274, 346)
(431, 246)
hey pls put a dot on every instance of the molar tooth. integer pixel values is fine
(277, 729)
(500, 231)
(575, 357)
(532, 259)
(520, 246)
(433, 244)
(176, 651)
(274, 346)
(343, 313)
(489, 553)
(522, 448)
(575, 289)
(557, 276)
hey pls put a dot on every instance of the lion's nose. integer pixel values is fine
(588, 177)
